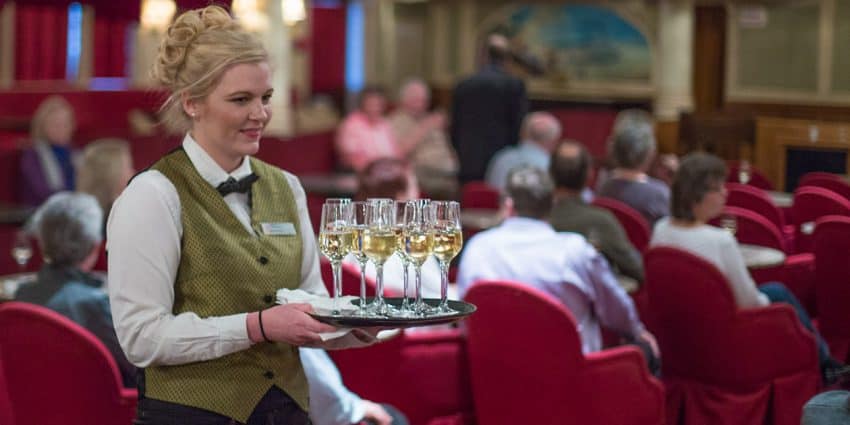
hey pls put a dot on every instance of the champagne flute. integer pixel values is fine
(448, 240)
(405, 261)
(418, 242)
(744, 170)
(22, 249)
(335, 241)
(730, 223)
(359, 214)
(379, 242)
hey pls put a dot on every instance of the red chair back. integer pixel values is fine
(832, 282)
(804, 180)
(478, 194)
(720, 361)
(810, 204)
(545, 379)
(756, 200)
(753, 228)
(830, 182)
(6, 414)
(757, 178)
(58, 372)
(637, 229)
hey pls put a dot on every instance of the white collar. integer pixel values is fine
(208, 168)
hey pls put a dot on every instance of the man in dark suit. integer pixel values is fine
(487, 112)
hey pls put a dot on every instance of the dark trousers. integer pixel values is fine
(275, 408)
(778, 293)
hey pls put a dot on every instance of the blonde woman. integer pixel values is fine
(105, 169)
(193, 267)
(46, 167)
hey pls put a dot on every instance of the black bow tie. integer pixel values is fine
(242, 185)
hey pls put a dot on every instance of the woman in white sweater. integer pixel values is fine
(698, 195)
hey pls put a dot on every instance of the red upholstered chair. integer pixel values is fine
(478, 194)
(810, 204)
(797, 273)
(757, 178)
(830, 182)
(637, 229)
(832, 282)
(756, 200)
(720, 363)
(7, 417)
(527, 366)
(58, 372)
(423, 373)
(804, 180)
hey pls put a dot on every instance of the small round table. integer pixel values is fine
(760, 257)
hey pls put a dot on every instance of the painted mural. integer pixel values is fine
(577, 43)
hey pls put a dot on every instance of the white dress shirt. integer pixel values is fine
(331, 403)
(563, 265)
(143, 240)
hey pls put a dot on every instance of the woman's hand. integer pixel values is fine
(375, 414)
(288, 323)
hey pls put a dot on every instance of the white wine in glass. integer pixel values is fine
(379, 243)
(335, 241)
(359, 211)
(448, 241)
(418, 243)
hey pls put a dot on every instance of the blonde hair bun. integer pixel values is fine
(200, 45)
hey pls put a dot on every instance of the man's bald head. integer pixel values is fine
(570, 166)
(543, 129)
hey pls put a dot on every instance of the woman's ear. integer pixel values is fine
(190, 106)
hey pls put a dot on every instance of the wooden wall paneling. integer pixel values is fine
(709, 56)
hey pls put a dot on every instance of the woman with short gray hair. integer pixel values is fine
(68, 229)
(633, 148)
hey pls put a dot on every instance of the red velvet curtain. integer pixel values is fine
(327, 49)
(40, 41)
(110, 46)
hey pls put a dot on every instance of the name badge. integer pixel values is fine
(278, 229)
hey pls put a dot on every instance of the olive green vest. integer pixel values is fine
(225, 270)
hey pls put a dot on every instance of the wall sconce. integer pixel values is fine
(252, 15)
(293, 11)
(157, 14)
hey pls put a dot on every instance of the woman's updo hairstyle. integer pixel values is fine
(200, 45)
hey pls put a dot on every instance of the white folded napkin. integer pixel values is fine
(321, 305)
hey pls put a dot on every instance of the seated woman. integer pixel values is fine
(68, 229)
(46, 167)
(392, 178)
(105, 169)
(698, 195)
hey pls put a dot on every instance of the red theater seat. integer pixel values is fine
(720, 363)
(754, 199)
(527, 367)
(810, 204)
(479, 195)
(832, 282)
(635, 225)
(58, 372)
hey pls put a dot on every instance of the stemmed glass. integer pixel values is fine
(418, 242)
(335, 241)
(22, 249)
(379, 242)
(405, 261)
(359, 220)
(744, 172)
(730, 223)
(448, 240)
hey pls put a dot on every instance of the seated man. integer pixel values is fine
(540, 134)
(333, 404)
(633, 148)
(526, 249)
(570, 169)
(68, 228)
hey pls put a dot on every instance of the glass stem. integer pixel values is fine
(418, 304)
(362, 286)
(404, 303)
(337, 270)
(379, 291)
(444, 286)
